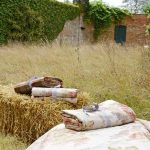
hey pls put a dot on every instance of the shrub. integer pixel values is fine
(147, 12)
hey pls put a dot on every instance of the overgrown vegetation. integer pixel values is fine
(111, 72)
(36, 20)
(103, 16)
(147, 12)
(11, 143)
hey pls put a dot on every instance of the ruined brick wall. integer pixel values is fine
(76, 33)
(136, 29)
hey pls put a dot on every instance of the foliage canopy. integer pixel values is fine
(136, 6)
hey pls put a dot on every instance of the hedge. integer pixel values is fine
(33, 20)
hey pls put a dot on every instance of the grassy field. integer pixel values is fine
(10, 143)
(105, 71)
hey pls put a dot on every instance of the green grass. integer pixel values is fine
(10, 143)
(105, 71)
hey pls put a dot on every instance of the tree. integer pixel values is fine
(84, 7)
(136, 6)
(81, 1)
(66, 1)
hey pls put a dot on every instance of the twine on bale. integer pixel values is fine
(28, 119)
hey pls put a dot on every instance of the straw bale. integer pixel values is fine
(28, 119)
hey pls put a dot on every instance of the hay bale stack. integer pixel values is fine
(28, 119)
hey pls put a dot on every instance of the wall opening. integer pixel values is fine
(120, 34)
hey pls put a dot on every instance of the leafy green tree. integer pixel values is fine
(136, 6)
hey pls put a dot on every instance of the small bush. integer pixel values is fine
(147, 12)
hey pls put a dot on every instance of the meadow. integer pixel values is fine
(105, 70)
(11, 143)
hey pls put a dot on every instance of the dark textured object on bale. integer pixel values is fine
(23, 88)
(49, 82)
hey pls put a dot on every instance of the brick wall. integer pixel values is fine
(136, 29)
(76, 33)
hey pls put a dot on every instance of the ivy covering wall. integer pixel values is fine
(103, 16)
(33, 20)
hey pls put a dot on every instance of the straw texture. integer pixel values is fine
(28, 119)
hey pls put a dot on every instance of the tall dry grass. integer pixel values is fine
(11, 143)
(105, 70)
